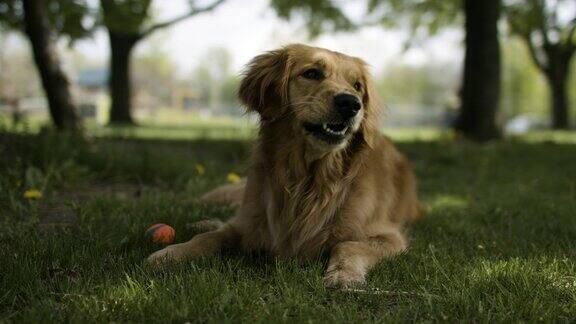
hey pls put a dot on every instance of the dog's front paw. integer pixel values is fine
(169, 254)
(206, 225)
(343, 277)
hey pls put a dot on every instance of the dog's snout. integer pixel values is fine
(347, 105)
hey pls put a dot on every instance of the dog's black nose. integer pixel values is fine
(347, 105)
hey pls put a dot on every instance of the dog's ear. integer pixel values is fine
(264, 88)
(371, 101)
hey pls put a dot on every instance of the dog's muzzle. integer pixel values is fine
(346, 105)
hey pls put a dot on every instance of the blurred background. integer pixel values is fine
(484, 68)
(117, 114)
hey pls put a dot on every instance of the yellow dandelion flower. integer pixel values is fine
(32, 194)
(233, 177)
(200, 169)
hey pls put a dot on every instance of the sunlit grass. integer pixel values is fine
(168, 125)
(443, 202)
(566, 137)
(177, 125)
(425, 134)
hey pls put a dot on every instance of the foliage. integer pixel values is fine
(496, 246)
(544, 25)
(17, 80)
(125, 16)
(67, 17)
(320, 15)
(524, 89)
(572, 85)
(329, 16)
(417, 15)
(216, 81)
(154, 75)
(419, 85)
(549, 30)
(134, 17)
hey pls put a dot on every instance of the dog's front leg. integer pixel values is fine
(204, 244)
(350, 260)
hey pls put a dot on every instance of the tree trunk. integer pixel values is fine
(54, 80)
(557, 76)
(481, 78)
(121, 47)
(559, 101)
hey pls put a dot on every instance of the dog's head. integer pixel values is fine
(328, 96)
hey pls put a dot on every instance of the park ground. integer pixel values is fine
(498, 243)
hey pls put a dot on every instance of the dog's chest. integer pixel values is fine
(300, 221)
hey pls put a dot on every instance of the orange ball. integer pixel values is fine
(160, 233)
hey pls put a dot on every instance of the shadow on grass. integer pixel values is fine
(497, 242)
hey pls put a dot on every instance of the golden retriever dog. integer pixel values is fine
(323, 181)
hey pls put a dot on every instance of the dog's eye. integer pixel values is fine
(313, 74)
(358, 86)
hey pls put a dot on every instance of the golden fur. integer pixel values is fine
(306, 197)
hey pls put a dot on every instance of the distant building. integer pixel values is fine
(92, 94)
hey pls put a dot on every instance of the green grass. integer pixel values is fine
(167, 125)
(498, 243)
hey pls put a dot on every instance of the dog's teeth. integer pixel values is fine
(342, 131)
(329, 130)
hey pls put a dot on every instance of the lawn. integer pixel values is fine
(498, 242)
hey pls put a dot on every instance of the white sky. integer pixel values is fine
(248, 27)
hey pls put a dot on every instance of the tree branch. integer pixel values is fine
(538, 7)
(192, 12)
(534, 53)
(571, 40)
(572, 31)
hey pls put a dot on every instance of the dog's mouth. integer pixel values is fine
(333, 133)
